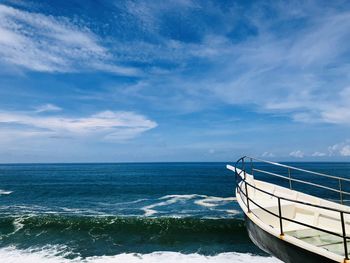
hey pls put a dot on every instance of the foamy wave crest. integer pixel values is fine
(4, 192)
(55, 255)
(175, 257)
(213, 201)
(169, 200)
(204, 201)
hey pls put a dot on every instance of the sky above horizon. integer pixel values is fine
(186, 80)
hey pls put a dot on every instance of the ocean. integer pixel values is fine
(130, 212)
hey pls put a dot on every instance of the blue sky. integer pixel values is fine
(186, 80)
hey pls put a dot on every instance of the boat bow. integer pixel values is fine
(288, 223)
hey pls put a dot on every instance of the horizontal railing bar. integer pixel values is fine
(301, 181)
(298, 169)
(288, 219)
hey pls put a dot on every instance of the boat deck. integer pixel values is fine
(320, 239)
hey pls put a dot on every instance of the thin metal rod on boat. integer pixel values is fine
(344, 235)
(280, 215)
(290, 180)
(340, 192)
(251, 166)
(243, 168)
(246, 191)
(246, 186)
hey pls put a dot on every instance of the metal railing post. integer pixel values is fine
(280, 215)
(290, 179)
(251, 166)
(246, 192)
(245, 184)
(243, 167)
(340, 192)
(344, 236)
(236, 176)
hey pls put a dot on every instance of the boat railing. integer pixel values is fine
(249, 161)
(241, 181)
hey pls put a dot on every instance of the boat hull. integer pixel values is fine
(281, 249)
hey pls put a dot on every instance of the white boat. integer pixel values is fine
(292, 225)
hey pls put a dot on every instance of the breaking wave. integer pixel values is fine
(4, 192)
(54, 255)
(109, 235)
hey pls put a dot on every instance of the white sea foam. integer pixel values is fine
(18, 223)
(50, 255)
(172, 199)
(4, 192)
(206, 201)
(149, 209)
(212, 201)
(191, 196)
(232, 211)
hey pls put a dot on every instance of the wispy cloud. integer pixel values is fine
(110, 125)
(45, 43)
(318, 154)
(301, 74)
(301, 70)
(47, 108)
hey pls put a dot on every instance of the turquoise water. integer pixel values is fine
(92, 212)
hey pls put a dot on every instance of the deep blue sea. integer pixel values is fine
(131, 212)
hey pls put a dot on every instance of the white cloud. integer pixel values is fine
(297, 154)
(47, 107)
(318, 154)
(337, 114)
(287, 69)
(108, 124)
(340, 149)
(345, 151)
(49, 44)
(268, 154)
